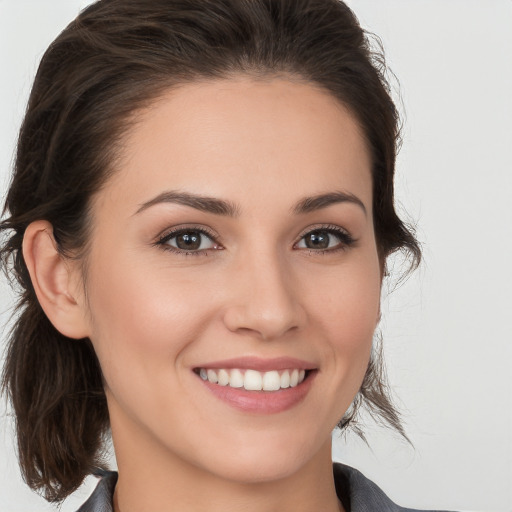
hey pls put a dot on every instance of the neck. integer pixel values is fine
(151, 478)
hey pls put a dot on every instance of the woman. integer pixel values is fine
(200, 217)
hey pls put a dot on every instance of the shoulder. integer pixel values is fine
(359, 494)
(101, 498)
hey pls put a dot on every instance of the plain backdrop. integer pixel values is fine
(447, 331)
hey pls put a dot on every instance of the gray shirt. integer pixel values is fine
(354, 490)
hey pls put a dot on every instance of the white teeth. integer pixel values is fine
(223, 376)
(236, 379)
(271, 381)
(253, 380)
(285, 379)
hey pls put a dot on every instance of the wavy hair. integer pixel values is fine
(115, 58)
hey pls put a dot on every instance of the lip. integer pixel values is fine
(259, 364)
(261, 402)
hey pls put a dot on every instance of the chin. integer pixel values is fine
(259, 471)
(260, 462)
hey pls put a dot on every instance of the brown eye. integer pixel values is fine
(318, 239)
(190, 240)
(326, 239)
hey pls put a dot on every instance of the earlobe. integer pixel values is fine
(52, 280)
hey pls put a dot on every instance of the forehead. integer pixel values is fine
(274, 137)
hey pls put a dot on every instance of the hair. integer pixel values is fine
(114, 59)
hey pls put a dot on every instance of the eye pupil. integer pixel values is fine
(317, 240)
(189, 240)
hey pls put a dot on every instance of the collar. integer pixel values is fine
(356, 492)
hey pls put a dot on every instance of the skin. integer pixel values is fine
(154, 315)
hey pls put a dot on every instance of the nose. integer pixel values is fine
(264, 299)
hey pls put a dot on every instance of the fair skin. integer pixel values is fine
(283, 283)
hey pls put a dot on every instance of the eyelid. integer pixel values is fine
(169, 233)
(346, 238)
(326, 227)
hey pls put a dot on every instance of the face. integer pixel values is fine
(233, 282)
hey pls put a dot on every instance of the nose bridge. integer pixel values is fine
(264, 299)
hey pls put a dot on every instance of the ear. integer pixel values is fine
(54, 281)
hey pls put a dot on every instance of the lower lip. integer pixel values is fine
(262, 402)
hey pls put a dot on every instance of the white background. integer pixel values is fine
(447, 331)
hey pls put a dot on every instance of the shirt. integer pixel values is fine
(356, 492)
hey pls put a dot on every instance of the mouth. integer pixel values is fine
(256, 385)
(254, 380)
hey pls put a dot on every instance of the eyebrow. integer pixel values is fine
(229, 209)
(313, 203)
(202, 203)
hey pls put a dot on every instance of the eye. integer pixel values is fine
(188, 240)
(326, 239)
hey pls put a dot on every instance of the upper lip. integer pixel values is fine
(260, 364)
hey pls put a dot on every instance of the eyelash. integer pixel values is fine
(346, 239)
(169, 235)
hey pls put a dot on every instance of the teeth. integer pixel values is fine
(223, 377)
(271, 381)
(285, 379)
(236, 379)
(253, 380)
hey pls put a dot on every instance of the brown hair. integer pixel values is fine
(115, 58)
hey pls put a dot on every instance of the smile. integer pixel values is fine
(253, 380)
(258, 385)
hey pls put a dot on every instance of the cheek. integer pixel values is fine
(347, 299)
(143, 320)
(346, 305)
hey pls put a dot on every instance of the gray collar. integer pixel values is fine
(355, 491)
